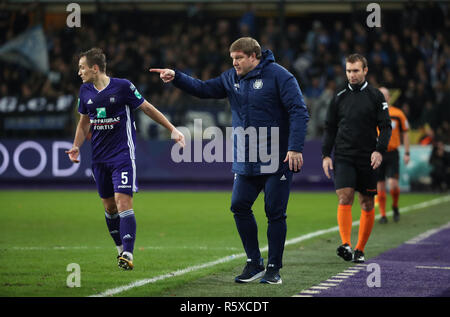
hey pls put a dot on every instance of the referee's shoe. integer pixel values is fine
(396, 213)
(358, 256)
(252, 271)
(345, 252)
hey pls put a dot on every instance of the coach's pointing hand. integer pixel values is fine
(167, 75)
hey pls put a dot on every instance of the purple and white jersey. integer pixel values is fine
(112, 121)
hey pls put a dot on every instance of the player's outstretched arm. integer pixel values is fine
(81, 133)
(158, 117)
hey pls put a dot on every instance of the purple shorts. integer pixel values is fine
(115, 177)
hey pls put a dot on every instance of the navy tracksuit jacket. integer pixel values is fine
(268, 96)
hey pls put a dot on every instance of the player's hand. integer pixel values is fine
(327, 165)
(295, 160)
(178, 137)
(376, 159)
(406, 159)
(167, 75)
(73, 154)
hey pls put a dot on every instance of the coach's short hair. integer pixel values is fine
(247, 45)
(95, 56)
(353, 58)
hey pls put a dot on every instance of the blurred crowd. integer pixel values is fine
(409, 54)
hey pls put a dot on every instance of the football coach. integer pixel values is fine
(262, 95)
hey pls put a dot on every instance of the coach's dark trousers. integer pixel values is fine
(276, 195)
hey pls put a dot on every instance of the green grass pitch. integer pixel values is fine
(42, 232)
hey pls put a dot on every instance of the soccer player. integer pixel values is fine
(390, 166)
(263, 95)
(106, 107)
(351, 124)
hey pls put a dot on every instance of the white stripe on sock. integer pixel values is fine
(126, 213)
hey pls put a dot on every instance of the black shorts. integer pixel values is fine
(355, 172)
(390, 166)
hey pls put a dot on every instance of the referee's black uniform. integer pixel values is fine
(351, 124)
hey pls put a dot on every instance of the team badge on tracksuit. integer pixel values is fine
(258, 84)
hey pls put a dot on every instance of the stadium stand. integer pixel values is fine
(409, 54)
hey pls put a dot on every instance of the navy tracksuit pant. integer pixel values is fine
(276, 189)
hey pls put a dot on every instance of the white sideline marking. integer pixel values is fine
(433, 267)
(327, 284)
(346, 274)
(355, 269)
(355, 223)
(307, 291)
(299, 295)
(426, 234)
(138, 283)
(341, 276)
(50, 248)
(333, 280)
(337, 279)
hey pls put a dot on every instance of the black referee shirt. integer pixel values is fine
(352, 119)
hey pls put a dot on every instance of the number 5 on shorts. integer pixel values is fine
(124, 176)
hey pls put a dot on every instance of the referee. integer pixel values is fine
(351, 124)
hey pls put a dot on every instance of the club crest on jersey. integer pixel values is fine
(101, 112)
(112, 99)
(385, 106)
(258, 84)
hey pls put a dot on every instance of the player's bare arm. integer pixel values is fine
(159, 118)
(406, 156)
(81, 133)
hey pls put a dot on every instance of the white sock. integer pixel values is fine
(130, 255)
(119, 248)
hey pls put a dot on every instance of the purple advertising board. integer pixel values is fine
(43, 161)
